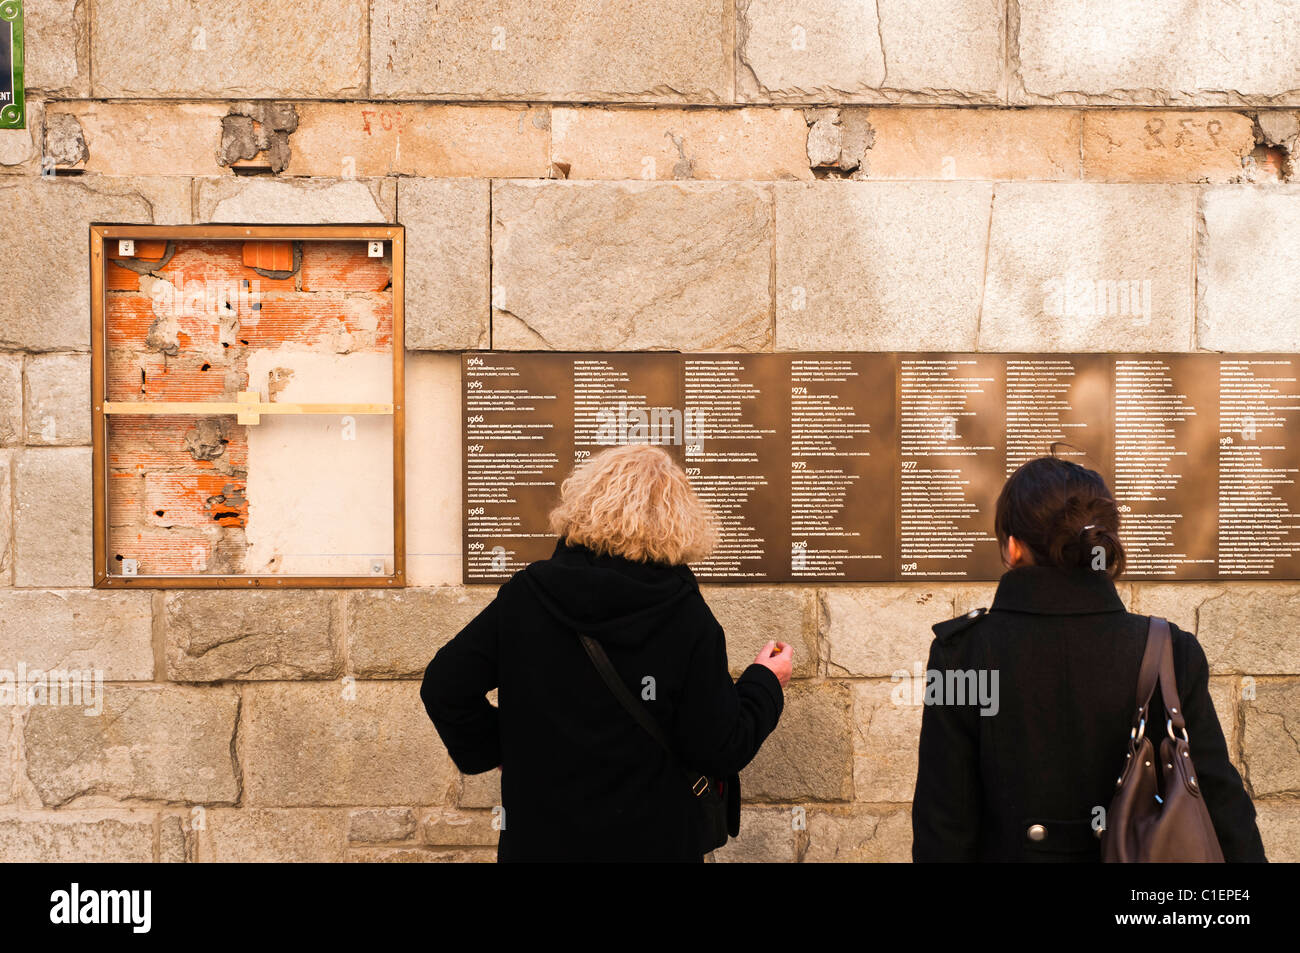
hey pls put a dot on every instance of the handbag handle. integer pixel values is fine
(634, 708)
(1158, 669)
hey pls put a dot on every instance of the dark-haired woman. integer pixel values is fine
(1020, 775)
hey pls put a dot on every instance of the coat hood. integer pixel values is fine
(613, 599)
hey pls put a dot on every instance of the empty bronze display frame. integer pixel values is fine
(247, 408)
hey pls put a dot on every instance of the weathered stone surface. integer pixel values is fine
(51, 278)
(65, 144)
(1249, 286)
(168, 743)
(11, 400)
(20, 149)
(8, 742)
(880, 630)
(80, 837)
(173, 846)
(887, 727)
(451, 828)
(1271, 742)
(433, 515)
(1130, 145)
(480, 790)
(57, 399)
(381, 826)
(810, 755)
(55, 47)
(753, 616)
(1165, 52)
(1064, 257)
(589, 51)
(448, 262)
(223, 634)
(1279, 827)
(767, 836)
(905, 273)
(152, 138)
(6, 519)
(820, 50)
(395, 634)
(296, 201)
(109, 632)
(341, 744)
(1244, 628)
(859, 835)
(597, 266)
(259, 49)
(257, 836)
(52, 517)
(435, 140)
(680, 143)
(419, 855)
(1041, 144)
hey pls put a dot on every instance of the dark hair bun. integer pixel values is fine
(1064, 513)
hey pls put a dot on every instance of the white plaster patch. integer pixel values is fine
(320, 487)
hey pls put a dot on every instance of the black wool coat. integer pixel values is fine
(581, 780)
(1067, 656)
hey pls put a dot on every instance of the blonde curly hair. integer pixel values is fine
(634, 501)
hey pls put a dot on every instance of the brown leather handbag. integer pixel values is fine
(1158, 813)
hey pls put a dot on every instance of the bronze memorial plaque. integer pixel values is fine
(857, 467)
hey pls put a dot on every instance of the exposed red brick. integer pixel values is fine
(343, 266)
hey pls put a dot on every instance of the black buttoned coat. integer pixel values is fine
(1066, 654)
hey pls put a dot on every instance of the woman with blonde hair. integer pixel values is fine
(584, 775)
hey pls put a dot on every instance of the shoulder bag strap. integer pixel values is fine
(1169, 684)
(633, 707)
(1149, 673)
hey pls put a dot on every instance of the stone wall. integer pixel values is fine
(704, 175)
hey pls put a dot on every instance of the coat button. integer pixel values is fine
(1037, 832)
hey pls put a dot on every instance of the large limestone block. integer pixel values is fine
(259, 836)
(1090, 267)
(211, 635)
(433, 139)
(859, 835)
(1270, 746)
(255, 49)
(886, 731)
(829, 51)
(878, 266)
(879, 631)
(79, 837)
(395, 634)
(1162, 52)
(341, 744)
(752, 616)
(155, 743)
(1279, 827)
(566, 50)
(52, 517)
(262, 201)
(56, 47)
(680, 143)
(448, 263)
(149, 138)
(1244, 628)
(639, 265)
(1142, 145)
(109, 632)
(46, 305)
(1249, 284)
(57, 400)
(767, 836)
(1040, 144)
(809, 757)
